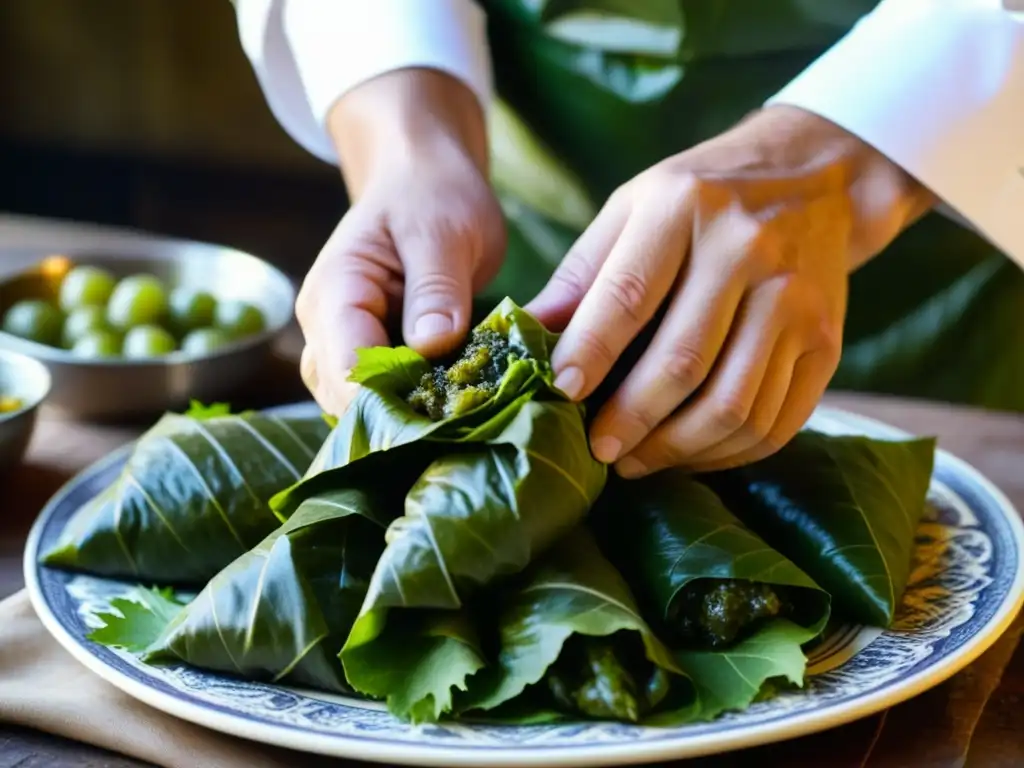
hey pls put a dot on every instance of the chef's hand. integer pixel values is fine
(747, 239)
(423, 233)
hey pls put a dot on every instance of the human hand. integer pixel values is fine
(746, 241)
(424, 231)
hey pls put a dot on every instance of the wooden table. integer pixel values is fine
(973, 720)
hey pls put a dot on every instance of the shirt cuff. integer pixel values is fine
(308, 53)
(938, 87)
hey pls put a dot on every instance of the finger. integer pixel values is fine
(327, 402)
(686, 345)
(811, 376)
(438, 264)
(307, 370)
(640, 270)
(723, 406)
(334, 355)
(763, 414)
(558, 300)
(342, 307)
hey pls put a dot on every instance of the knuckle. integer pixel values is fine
(757, 428)
(812, 312)
(435, 289)
(685, 367)
(636, 418)
(772, 443)
(460, 228)
(660, 452)
(621, 195)
(573, 275)
(764, 250)
(786, 293)
(455, 230)
(828, 341)
(730, 413)
(673, 188)
(594, 349)
(829, 332)
(433, 282)
(628, 291)
(791, 298)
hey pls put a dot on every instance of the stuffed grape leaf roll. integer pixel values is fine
(711, 586)
(845, 508)
(193, 495)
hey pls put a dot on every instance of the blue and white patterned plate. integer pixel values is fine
(966, 586)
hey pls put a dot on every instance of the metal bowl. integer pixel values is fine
(118, 389)
(28, 381)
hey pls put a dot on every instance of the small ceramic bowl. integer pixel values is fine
(26, 381)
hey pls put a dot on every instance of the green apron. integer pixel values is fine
(594, 91)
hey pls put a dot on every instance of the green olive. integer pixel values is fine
(34, 320)
(239, 318)
(204, 341)
(82, 320)
(146, 341)
(191, 309)
(97, 344)
(86, 286)
(137, 300)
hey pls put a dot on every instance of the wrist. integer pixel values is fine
(820, 139)
(408, 116)
(885, 198)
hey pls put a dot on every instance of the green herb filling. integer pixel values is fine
(592, 678)
(474, 377)
(718, 612)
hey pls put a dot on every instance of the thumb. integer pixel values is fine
(438, 292)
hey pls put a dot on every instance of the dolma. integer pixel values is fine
(712, 587)
(281, 611)
(571, 643)
(845, 508)
(193, 496)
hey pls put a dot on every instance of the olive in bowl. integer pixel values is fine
(97, 315)
(154, 344)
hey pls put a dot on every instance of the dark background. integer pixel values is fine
(146, 113)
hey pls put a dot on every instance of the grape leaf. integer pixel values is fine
(136, 621)
(733, 678)
(419, 664)
(201, 412)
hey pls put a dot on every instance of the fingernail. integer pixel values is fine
(606, 449)
(631, 468)
(431, 325)
(570, 381)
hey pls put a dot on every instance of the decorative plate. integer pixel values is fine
(966, 586)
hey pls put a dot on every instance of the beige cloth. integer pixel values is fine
(44, 687)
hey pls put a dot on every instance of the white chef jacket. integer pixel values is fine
(935, 85)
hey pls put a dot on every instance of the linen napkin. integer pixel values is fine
(45, 688)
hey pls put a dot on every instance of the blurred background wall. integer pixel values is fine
(146, 113)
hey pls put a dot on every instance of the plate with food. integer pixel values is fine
(445, 576)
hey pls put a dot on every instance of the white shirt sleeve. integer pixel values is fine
(938, 87)
(307, 53)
